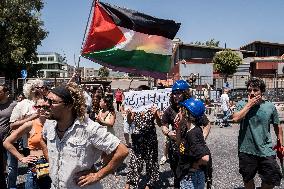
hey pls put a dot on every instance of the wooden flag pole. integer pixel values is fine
(78, 76)
(93, 5)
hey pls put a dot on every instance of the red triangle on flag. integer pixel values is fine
(103, 32)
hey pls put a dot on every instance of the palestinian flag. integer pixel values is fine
(130, 41)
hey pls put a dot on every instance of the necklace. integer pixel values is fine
(61, 130)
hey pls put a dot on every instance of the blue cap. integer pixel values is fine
(180, 85)
(194, 106)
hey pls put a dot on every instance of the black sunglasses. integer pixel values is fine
(51, 102)
(38, 87)
(41, 107)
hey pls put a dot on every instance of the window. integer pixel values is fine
(42, 59)
(51, 66)
(51, 58)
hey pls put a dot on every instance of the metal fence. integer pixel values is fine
(237, 84)
(204, 88)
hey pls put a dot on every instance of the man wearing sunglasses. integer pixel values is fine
(75, 142)
(255, 151)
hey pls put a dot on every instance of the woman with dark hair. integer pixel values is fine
(20, 97)
(100, 91)
(144, 146)
(194, 155)
(95, 106)
(106, 115)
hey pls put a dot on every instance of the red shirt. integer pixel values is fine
(118, 96)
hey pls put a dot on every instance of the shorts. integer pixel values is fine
(266, 167)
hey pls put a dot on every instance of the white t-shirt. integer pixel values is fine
(88, 98)
(224, 99)
(22, 110)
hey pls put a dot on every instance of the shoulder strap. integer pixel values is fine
(106, 115)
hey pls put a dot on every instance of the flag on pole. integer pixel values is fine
(130, 41)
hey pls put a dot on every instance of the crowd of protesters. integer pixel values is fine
(62, 133)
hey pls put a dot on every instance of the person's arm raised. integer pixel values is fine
(237, 116)
(17, 124)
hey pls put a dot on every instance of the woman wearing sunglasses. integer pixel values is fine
(37, 175)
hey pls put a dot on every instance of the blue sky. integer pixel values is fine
(234, 22)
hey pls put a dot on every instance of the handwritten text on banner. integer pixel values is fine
(142, 100)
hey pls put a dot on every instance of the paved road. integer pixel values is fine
(223, 145)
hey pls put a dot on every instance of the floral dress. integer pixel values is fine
(144, 150)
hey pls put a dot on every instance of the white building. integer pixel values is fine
(88, 73)
(52, 65)
(70, 70)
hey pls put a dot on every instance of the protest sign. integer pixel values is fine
(141, 100)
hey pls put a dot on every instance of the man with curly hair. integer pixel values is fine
(75, 142)
(255, 152)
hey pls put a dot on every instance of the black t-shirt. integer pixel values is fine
(192, 148)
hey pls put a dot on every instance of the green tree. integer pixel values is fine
(209, 43)
(226, 62)
(212, 43)
(103, 72)
(21, 32)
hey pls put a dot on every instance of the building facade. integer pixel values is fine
(265, 49)
(70, 70)
(200, 59)
(52, 65)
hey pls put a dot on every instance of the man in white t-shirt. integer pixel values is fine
(225, 106)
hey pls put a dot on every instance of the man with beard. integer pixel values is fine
(180, 92)
(75, 142)
(6, 107)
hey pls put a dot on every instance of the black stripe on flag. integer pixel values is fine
(141, 22)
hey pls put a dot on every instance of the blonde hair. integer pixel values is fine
(31, 84)
(79, 102)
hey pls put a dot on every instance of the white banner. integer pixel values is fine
(142, 100)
